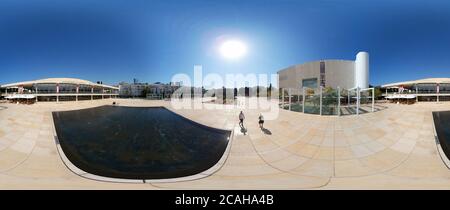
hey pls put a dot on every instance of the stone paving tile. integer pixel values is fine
(351, 167)
(393, 148)
(361, 150)
(315, 168)
(275, 155)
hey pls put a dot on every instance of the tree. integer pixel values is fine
(378, 93)
(269, 91)
(145, 91)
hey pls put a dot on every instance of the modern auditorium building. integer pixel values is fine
(429, 89)
(59, 89)
(346, 74)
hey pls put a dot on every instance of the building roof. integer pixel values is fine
(420, 81)
(58, 80)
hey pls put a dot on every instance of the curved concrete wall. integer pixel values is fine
(362, 70)
(338, 73)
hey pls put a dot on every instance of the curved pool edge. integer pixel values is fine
(439, 148)
(440, 151)
(74, 169)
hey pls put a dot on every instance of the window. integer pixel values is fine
(67, 88)
(98, 90)
(45, 88)
(444, 88)
(427, 88)
(309, 83)
(84, 89)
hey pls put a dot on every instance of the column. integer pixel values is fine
(339, 102)
(57, 92)
(77, 91)
(289, 95)
(103, 92)
(36, 89)
(437, 91)
(282, 98)
(92, 93)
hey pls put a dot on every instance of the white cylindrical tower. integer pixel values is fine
(362, 70)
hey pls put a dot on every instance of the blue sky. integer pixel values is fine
(117, 41)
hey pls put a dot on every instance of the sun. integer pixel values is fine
(233, 49)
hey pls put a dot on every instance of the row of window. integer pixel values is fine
(425, 88)
(431, 88)
(69, 88)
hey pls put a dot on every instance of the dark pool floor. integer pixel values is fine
(442, 125)
(138, 142)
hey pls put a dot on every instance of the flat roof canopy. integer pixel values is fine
(420, 81)
(21, 96)
(57, 80)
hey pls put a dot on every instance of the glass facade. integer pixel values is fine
(426, 88)
(328, 101)
(45, 88)
(54, 91)
(312, 100)
(84, 89)
(425, 91)
(67, 88)
(98, 90)
(444, 88)
(51, 88)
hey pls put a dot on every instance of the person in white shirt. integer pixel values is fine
(241, 119)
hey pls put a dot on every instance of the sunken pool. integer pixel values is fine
(442, 125)
(138, 142)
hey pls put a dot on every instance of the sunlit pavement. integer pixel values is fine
(393, 148)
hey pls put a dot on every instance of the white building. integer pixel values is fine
(59, 89)
(429, 89)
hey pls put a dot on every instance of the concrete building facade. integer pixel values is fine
(345, 74)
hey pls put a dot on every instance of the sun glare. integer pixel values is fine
(233, 49)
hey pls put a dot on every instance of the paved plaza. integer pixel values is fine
(393, 148)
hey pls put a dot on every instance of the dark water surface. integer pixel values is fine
(442, 125)
(138, 142)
